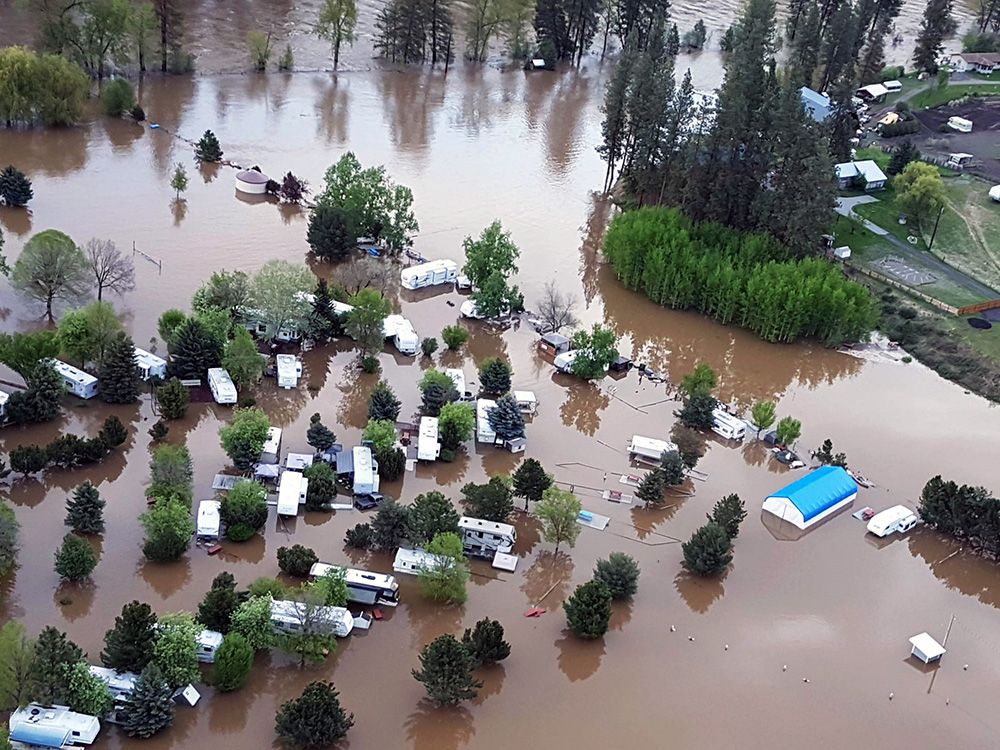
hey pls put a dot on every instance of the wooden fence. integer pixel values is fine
(990, 304)
(908, 289)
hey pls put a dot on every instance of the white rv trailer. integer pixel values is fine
(428, 446)
(52, 726)
(77, 382)
(289, 370)
(649, 448)
(458, 378)
(208, 643)
(400, 330)
(527, 402)
(897, 518)
(486, 538)
(4, 397)
(120, 685)
(363, 587)
(960, 124)
(292, 490)
(429, 274)
(209, 520)
(271, 454)
(484, 432)
(412, 561)
(294, 618)
(564, 362)
(728, 426)
(149, 365)
(366, 480)
(222, 386)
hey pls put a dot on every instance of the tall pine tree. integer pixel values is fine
(193, 351)
(446, 671)
(803, 56)
(128, 646)
(119, 376)
(150, 705)
(85, 510)
(937, 25)
(48, 676)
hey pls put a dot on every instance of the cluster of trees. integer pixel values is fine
(489, 263)
(68, 451)
(588, 609)
(736, 277)
(938, 24)
(167, 523)
(710, 549)
(38, 88)
(357, 202)
(788, 429)
(968, 513)
(40, 401)
(448, 664)
(753, 160)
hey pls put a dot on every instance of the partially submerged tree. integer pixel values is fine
(456, 424)
(506, 419)
(558, 512)
(315, 719)
(620, 573)
(252, 620)
(788, 430)
(279, 294)
(431, 513)
(454, 336)
(51, 267)
(337, 19)
(242, 360)
(85, 510)
(530, 481)
(296, 560)
(193, 350)
(112, 269)
(444, 580)
(729, 513)
(119, 375)
(489, 262)
(762, 415)
(556, 308)
(330, 234)
(588, 610)
(446, 671)
(175, 651)
(179, 181)
(75, 559)
(169, 527)
(319, 436)
(233, 662)
(244, 510)
(243, 439)
(215, 611)
(382, 403)
(128, 646)
(390, 525)
(54, 655)
(259, 49)
(494, 376)
(696, 411)
(650, 490)
(709, 550)
(150, 706)
(366, 322)
(700, 381)
(595, 352)
(15, 187)
(173, 399)
(485, 642)
(493, 501)
(208, 149)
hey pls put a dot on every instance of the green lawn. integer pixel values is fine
(886, 215)
(877, 155)
(968, 235)
(984, 342)
(935, 97)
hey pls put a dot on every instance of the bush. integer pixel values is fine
(28, 459)
(454, 336)
(896, 129)
(369, 364)
(75, 559)
(485, 642)
(233, 662)
(709, 551)
(113, 432)
(428, 346)
(169, 527)
(620, 573)
(588, 610)
(315, 719)
(296, 560)
(117, 97)
(360, 537)
(159, 431)
(891, 73)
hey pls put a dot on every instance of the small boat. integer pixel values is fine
(861, 479)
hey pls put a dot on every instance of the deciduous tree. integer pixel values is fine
(233, 662)
(788, 430)
(49, 268)
(17, 651)
(87, 693)
(244, 510)
(556, 308)
(322, 488)
(330, 234)
(456, 423)
(595, 351)
(366, 322)
(259, 47)
(558, 512)
(337, 19)
(919, 191)
(492, 501)
(111, 269)
(179, 181)
(279, 295)
(244, 438)
(296, 560)
(762, 414)
(444, 580)
(215, 611)
(252, 620)
(431, 513)
(489, 263)
(168, 526)
(175, 651)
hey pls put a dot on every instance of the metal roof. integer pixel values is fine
(819, 490)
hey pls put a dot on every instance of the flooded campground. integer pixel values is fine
(833, 606)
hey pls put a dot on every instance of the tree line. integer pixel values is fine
(736, 277)
(968, 513)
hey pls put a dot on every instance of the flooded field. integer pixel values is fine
(834, 607)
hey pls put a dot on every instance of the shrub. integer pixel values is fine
(485, 642)
(117, 97)
(296, 560)
(391, 464)
(268, 586)
(360, 537)
(620, 573)
(113, 432)
(138, 113)
(233, 662)
(159, 431)
(454, 336)
(75, 559)
(588, 610)
(709, 551)
(428, 346)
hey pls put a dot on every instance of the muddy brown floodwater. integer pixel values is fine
(833, 606)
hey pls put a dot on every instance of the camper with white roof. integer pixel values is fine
(484, 432)
(486, 538)
(428, 445)
(897, 518)
(222, 386)
(53, 726)
(292, 490)
(363, 587)
(208, 643)
(77, 382)
(400, 330)
(366, 479)
(728, 426)
(209, 519)
(289, 370)
(150, 366)
(296, 618)
(429, 274)
(271, 454)
(412, 561)
(649, 448)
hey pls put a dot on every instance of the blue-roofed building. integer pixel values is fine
(816, 104)
(813, 497)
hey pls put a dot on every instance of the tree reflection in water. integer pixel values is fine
(579, 659)
(431, 727)
(549, 574)
(699, 592)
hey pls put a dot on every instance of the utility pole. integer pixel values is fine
(934, 233)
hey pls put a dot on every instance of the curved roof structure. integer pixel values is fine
(813, 497)
(252, 177)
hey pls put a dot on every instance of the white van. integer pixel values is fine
(728, 426)
(897, 518)
(77, 382)
(428, 446)
(429, 274)
(292, 490)
(209, 519)
(222, 386)
(960, 124)
(271, 454)
(289, 370)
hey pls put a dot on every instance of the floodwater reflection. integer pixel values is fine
(548, 576)
(431, 727)
(699, 592)
(579, 659)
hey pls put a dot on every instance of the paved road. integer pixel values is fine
(845, 207)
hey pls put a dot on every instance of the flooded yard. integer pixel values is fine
(833, 607)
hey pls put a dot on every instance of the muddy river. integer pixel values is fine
(833, 607)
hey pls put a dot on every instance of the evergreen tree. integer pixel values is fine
(697, 411)
(113, 432)
(552, 30)
(296, 560)
(85, 510)
(709, 551)
(360, 536)
(650, 490)
(41, 401)
(75, 559)
(28, 459)
(530, 481)
(49, 671)
(233, 662)
(614, 135)
(208, 149)
(119, 376)
(837, 52)
(506, 419)
(390, 525)
(843, 121)
(215, 611)
(902, 155)
(805, 44)
(173, 399)
(324, 322)
(494, 376)
(485, 642)
(382, 403)
(588, 610)
(431, 513)
(446, 671)
(15, 188)
(433, 398)
(128, 646)
(493, 501)
(322, 486)
(193, 351)
(729, 513)
(315, 719)
(620, 573)
(150, 706)
(937, 25)
(319, 436)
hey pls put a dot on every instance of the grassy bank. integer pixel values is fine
(935, 97)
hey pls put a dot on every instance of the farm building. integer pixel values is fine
(813, 497)
(860, 174)
(816, 104)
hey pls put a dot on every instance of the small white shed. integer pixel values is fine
(925, 648)
(271, 453)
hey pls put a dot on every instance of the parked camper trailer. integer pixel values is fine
(486, 538)
(4, 397)
(527, 403)
(209, 519)
(897, 518)
(412, 561)
(289, 370)
(728, 426)
(77, 382)
(468, 309)
(208, 643)
(295, 618)
(150, 366)
(960, 124)
(292, 489)
(428, 445)
(271, 454)
(363, 587)
(649, 448)
(405, 338)
(484, 432)
(458, 378)
(222, 386)
(52, 726)
(366, 480)
(429, 274)
(120, 685)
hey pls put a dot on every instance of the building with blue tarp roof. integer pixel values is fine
(816, 104)
(812, 498)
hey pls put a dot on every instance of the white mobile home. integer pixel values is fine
(295, 618)
(208, 643)
(271, 454)
(222, 386)
(486, 538)
(400, 330)
(429, 274)
(209, 520)
(484, 432)
(4, 397)
(52, 726)
(363, 587)
(289, 370)
(292, 490)
(366, 479)
(728, 426)
(412, 561)
(650, 448)
(960, 124)
(77, 382)
(150, 366)
(897, 518)
(428, 446)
